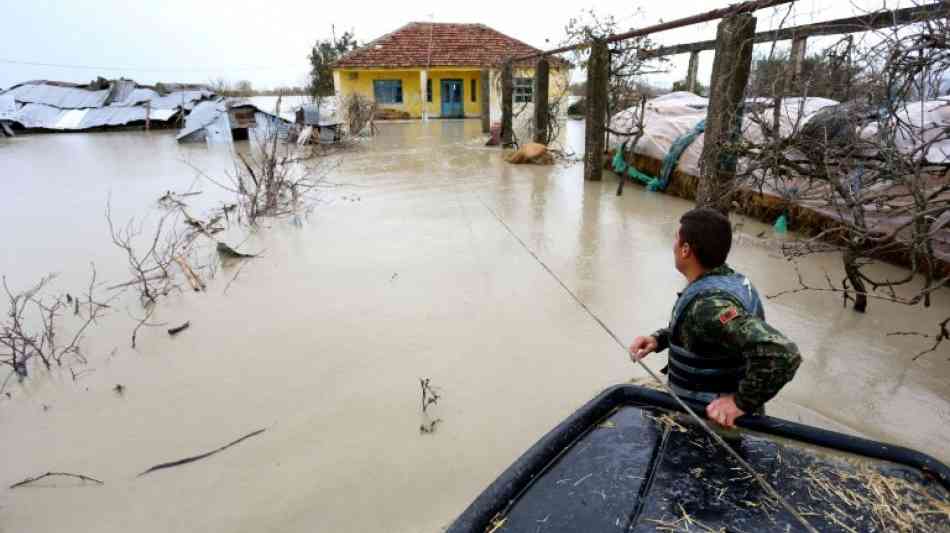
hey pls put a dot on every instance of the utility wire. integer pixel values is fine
(140, 69)
(762, 481)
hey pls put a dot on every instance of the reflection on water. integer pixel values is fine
(323, 339)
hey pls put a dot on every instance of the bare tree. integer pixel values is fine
(277, 178)
(865, 178)
(630, 60)
(36, 322)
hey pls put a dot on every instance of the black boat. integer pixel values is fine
(630, 460)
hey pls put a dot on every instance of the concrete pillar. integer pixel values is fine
(485, 87)
(731, 68)
(542, 115)
(597, 78)
(423, 94)
(691, 71)
(507, 89)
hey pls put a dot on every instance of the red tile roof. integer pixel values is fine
(428, 44)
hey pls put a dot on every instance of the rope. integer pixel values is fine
(735, 455)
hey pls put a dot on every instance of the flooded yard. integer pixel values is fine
(400, 273)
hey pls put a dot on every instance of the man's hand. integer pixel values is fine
(641, 347)
(723, 411)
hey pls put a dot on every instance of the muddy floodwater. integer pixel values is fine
(401, 272)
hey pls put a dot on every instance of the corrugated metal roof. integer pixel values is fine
(7, 107)
(137, 96)
(38, 116)
(63, 106)
(52, 118)
(173, 100)
(58, 96)
(111, 116)
(70, 119)
(202, 116)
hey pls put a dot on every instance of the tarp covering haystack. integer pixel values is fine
(61, 106)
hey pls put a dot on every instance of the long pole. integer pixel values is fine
(735, 455)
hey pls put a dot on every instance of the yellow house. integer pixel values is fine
(425, 69)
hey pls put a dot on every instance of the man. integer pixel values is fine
(721, 349)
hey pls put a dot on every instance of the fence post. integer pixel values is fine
(541, 113)
(730, 75)
(797, 60)
(597, 66)
(486, 100)
(692, 71)
(507, 88)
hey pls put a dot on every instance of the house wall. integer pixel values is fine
(349, 81)
(361, 81)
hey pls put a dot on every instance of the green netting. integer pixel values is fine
(672, 157)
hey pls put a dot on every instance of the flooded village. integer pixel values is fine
(406, 294)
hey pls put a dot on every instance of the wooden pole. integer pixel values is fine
(797, 59)
(485, 77)
(730, 75)
(597, 66)
(507, 88)
(542, 115)
(692, 71)
(148, 114)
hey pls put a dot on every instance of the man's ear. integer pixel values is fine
(685, 250)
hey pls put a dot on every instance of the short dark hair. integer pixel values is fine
(709, 235)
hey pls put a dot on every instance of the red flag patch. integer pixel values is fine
(728, 315)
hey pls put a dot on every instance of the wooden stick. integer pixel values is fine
(178, 329)
(202, 456)
(51, 474)
(134, 281)
(190, 275)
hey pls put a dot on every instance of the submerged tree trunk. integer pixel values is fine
(850, 260)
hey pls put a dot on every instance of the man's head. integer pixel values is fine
(702, 242)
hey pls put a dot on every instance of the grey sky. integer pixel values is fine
(267, 42)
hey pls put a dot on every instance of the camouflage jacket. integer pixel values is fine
(717, 322)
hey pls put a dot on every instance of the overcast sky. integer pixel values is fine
(267, 42)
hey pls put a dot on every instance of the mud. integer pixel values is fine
(400, 273)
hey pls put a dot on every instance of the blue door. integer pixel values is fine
(452, 99)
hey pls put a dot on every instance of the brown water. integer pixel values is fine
(323, 339)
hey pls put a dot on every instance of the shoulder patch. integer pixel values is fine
(728, 315)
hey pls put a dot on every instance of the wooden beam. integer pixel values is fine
(716, 14)
(597, 74)
(730, 76)
(485, 77)
(541, 112)
(507, 89)
(873, 21)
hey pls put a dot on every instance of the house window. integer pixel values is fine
(474, 82)
(429, 90)
(523, 90)
(387, 91)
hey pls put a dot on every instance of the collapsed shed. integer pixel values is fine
(224, 121)
(44, 105)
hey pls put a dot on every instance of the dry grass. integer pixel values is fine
(686, 523)
(891, 504)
